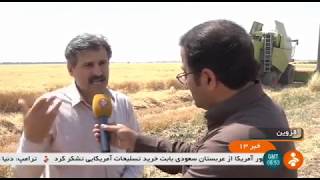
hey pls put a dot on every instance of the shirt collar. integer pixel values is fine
(217, 114)
(76, 97)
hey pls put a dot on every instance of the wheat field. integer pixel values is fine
(163, 107)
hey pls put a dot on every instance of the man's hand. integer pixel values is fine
(121, 136)
(23, 106)
(39, 118)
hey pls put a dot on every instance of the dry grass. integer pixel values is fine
(9, 99)
(152, 172)
(39, 78)
(47, 77)
(30, 81)
(293, 97)
(308, 118)
(163, 109)
(164, 120)
(301, 106)
(151, 102)
(314, 82)
(186, 123)
(6, 172)
(10, 131)
(33, 77)
(127, 86)
(151, 85)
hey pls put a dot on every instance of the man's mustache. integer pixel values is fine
(97, 79)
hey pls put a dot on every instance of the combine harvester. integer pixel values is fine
(273, 50)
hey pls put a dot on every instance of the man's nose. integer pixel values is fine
(98, 70)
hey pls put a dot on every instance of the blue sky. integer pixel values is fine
(140, 31)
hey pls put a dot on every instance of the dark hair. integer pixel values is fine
(225, 48)
(85, 42)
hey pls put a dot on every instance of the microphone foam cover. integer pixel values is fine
(101, 105)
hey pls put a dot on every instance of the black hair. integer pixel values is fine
(225, 48)
(85, 42)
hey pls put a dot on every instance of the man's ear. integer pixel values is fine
(209, 78)
(69, 66)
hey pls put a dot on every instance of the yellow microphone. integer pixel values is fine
(102, 109)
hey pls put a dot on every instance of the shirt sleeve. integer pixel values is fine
(218, 142)
(155, 144)
(27, 146)
(131, 171)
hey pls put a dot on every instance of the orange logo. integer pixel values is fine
(103, 103)
(293, 159)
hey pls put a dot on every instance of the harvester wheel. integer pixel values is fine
(288, 75)
(270, 78)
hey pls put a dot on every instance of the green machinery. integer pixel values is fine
(273, 51)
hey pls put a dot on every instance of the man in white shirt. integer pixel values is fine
(62, 120)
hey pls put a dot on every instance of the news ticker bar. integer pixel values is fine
(254, 159)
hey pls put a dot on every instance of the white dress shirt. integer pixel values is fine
(72, 132)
